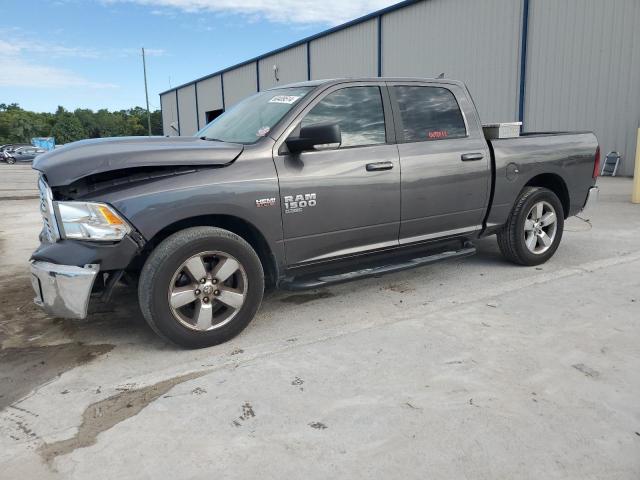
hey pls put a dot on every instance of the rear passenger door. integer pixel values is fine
(444, 160)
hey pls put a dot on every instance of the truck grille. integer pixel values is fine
(46, 210)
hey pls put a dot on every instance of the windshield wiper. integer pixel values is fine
(211, 139)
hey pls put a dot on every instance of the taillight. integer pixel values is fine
(596, 163)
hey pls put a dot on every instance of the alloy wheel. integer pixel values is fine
(540, 227)
(208, 290)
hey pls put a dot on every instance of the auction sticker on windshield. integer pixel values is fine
(263, 131)
(288, 99)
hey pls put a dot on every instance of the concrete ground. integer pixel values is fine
(17, 181)
(467, 369)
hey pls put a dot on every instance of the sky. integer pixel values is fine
(86, 53)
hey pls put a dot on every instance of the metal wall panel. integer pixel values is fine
(583, 71)
(477, 42)
(209, 97)
(187, 110)
(239, 83)
(292, 67)
(351, 52)
(169, 113)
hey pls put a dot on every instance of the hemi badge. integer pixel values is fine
(266, 202)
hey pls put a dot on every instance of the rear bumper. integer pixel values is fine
(592, 199)
(63, 290)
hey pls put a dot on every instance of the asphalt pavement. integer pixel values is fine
(17, 181)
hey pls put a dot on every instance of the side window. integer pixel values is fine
(429, 113)
(358, 111)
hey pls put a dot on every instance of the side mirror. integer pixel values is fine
(316, 137)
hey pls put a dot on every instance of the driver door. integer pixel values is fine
(342, 201)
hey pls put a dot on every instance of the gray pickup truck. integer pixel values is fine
(297, 187)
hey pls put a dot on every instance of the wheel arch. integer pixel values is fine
(557, 185)
(249, 232)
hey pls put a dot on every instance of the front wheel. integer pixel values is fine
(201, 287)
(534, 228)
(11, 160)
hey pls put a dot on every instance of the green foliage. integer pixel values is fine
(67, 127)
(20, 126)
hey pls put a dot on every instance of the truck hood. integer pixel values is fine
(77, 160)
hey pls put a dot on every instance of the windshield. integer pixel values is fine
(254, 117)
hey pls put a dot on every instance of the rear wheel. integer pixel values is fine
(201, 287)
(534, 229)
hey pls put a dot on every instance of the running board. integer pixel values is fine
(318, 280)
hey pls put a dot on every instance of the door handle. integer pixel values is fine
(471, 157)
(374, 167)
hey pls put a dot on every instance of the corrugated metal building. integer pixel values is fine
(555, 65)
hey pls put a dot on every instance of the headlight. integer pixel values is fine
(91, 221)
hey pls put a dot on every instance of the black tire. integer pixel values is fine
(511, 239)
(161, 266)
(11, 160)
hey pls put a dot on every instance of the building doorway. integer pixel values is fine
(211, 115)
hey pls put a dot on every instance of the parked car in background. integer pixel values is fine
(10, 147)
(22, 154)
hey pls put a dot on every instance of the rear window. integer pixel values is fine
(429, 113)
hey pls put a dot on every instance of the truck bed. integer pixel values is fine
(564, 157)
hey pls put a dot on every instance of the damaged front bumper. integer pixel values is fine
(65, 272)
(63, 290)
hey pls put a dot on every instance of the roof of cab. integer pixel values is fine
(335, 81)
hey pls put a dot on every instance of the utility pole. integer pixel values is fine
(146, 91)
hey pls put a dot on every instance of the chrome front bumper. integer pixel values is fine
(63, 290)
(592, 199)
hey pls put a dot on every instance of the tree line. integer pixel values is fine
(20, 126)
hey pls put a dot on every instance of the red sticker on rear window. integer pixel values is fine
(438, 134)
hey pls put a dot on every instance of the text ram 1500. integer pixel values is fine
(297, 187)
